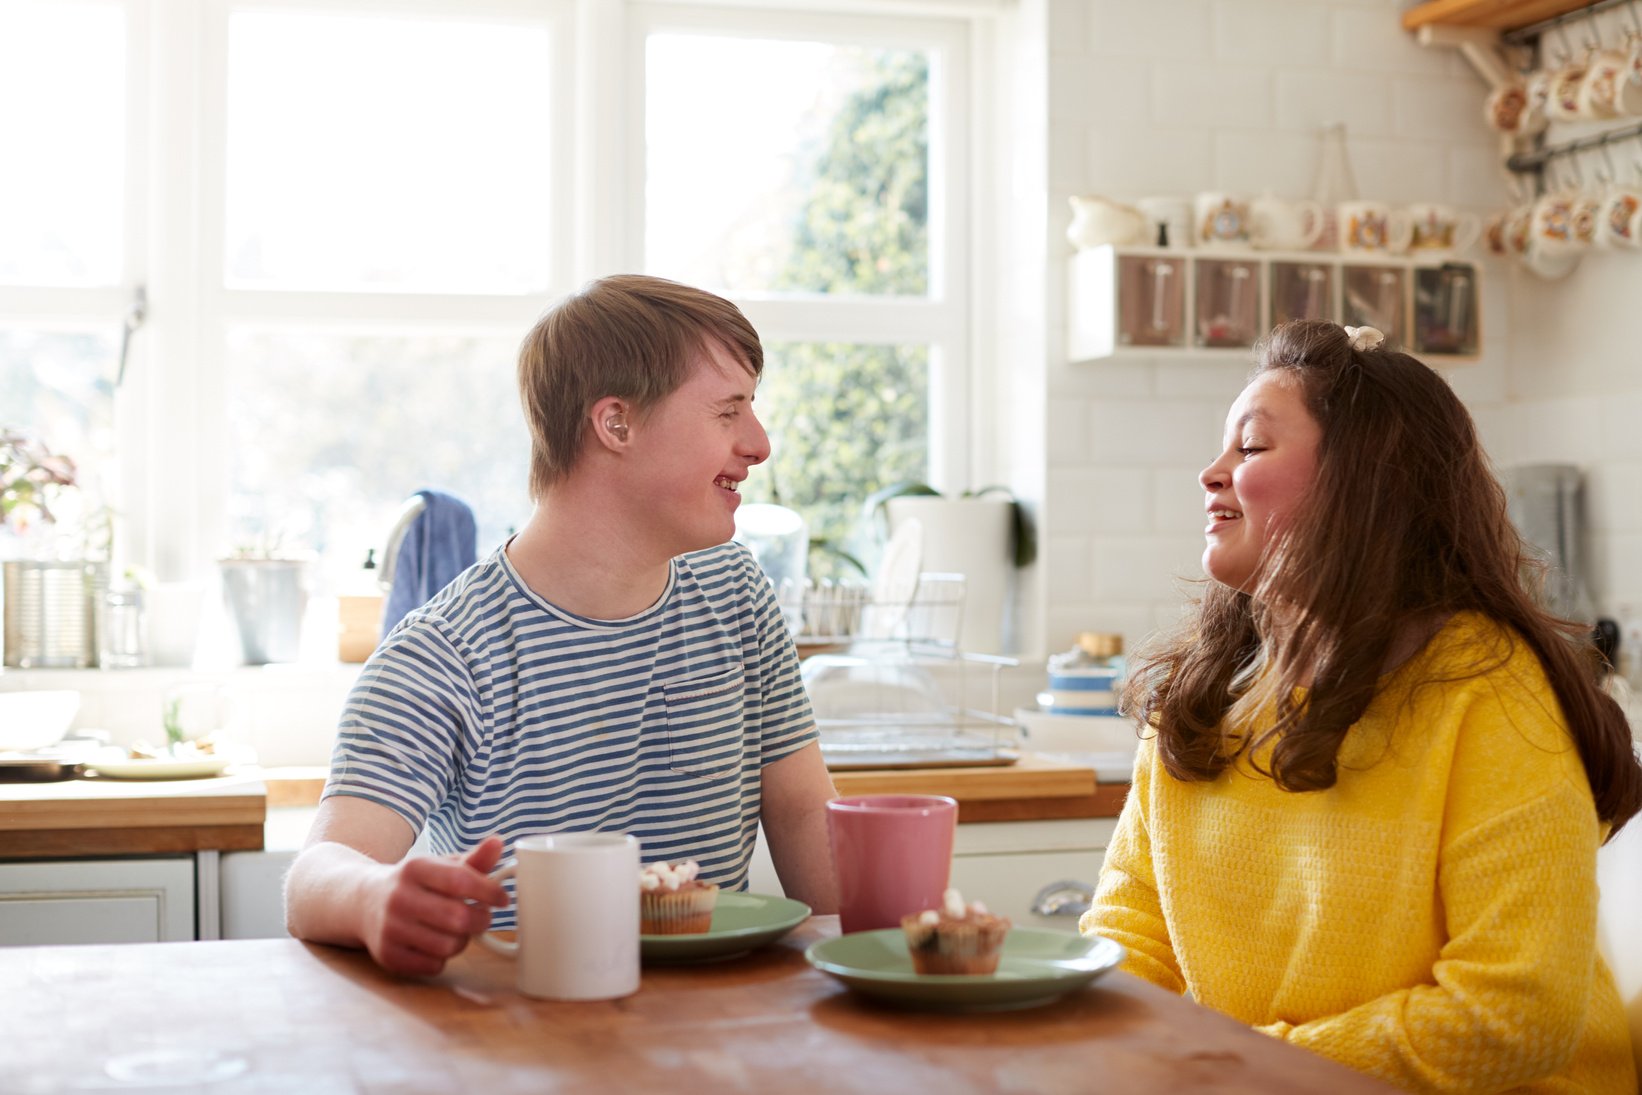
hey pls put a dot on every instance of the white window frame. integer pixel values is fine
(941, 319)
(169, 412)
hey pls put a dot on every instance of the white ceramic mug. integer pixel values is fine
(1098, 221)
(577, 896)
(1598, 94)
(1279, 225)
(1619, 219)
(1562, 104)
(1440, 229)
(1222, 220)
(1372, 228)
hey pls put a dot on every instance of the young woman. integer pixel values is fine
(1366, 816)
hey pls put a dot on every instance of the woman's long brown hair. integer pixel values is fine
(1405, 523)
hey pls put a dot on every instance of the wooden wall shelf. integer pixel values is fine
(1487, 14)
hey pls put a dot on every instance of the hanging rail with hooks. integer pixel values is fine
(1528, 162)
(1523, 35)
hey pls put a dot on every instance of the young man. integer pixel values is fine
(616, 666)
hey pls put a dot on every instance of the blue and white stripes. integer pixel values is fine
(490, 710)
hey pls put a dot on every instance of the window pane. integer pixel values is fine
(57, 386)
(62, 141)
(330, 433)
(844, 419)
(387, 154)
(787, 166)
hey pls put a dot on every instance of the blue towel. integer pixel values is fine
(442, 541)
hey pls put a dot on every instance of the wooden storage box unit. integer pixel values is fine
(1142, 301)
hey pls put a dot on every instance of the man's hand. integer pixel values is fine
(421, 912)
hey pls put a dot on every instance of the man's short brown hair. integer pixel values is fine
(629, 336)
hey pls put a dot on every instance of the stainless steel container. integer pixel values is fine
(265, 599)
(50, 618)
(1547, 505)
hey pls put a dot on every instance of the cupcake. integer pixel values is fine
(956, 938)
(673, 901)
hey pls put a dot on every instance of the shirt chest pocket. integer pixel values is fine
(704, 723)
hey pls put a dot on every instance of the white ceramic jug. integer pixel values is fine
(1098, 221)
(1279, 225)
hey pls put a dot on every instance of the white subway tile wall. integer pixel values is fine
(1181, 96)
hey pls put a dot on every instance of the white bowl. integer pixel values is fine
(34, 720)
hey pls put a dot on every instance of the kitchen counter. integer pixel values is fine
(106, 817)
(103, 817)
(278, 1015)
(1037, 787)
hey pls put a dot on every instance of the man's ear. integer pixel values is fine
(612, 422)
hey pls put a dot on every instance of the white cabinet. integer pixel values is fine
(1156, 301)
(133, 900)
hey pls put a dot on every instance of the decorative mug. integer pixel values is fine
(1097, 221)
(1506, 105)
(1222, 220)
(1279, 225)
(1439, 229)
(1372, 228)
(1562, 104)
(1598, 94)
(1619, 219)
(1564, 223)
(1628, 99)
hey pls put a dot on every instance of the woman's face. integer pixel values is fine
(1266, 465)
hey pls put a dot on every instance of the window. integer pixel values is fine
(345, 217)
(812, 169)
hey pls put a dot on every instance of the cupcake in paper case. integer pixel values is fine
(673, 901)
(956, 938)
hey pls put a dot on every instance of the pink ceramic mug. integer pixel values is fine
(893, 855)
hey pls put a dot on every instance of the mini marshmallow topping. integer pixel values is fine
(666, 876)
(953, 908)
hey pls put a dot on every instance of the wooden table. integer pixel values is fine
(278, 1015)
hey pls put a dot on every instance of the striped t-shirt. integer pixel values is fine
(489, 710)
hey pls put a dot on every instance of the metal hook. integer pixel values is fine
(1567, 51)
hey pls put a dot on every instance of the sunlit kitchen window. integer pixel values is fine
(343, 217)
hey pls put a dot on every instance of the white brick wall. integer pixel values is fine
(1179, 96)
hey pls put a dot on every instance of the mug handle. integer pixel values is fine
(1312, 212)
(1467, 230)
(488, 939)
(1399, 231)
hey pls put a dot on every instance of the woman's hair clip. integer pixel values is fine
(1364, 338)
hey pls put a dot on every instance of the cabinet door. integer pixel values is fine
(97, 901)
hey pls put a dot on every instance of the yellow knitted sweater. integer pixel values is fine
(1430, 919)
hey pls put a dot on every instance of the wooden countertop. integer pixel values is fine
(278, 1015)
(1034, 788)
(104, 817)
(85, 817)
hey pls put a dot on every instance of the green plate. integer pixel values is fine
(1036, 967)
(741, 922)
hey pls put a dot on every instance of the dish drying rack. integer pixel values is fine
(909, 703)
(927, 612)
